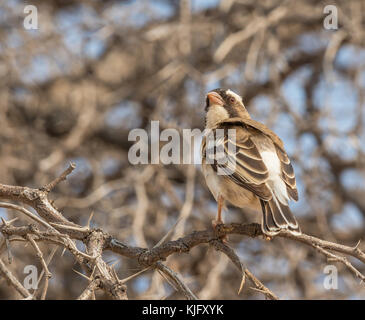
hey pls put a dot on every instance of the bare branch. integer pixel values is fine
(13, 280)
(177, 281)
(50, 186)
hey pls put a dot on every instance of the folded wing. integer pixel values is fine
(238, 158)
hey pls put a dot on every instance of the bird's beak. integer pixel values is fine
(215, 98)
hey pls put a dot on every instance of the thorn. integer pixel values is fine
(115, 275)
(89, 220)
(167, 234)
(82, 275)
(4, 222)
(92, 273)
(13, 220)
(357, 245)
(243, 281)
(134, 275)
(62, 226)
(7, 223)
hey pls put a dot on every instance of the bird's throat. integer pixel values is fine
(215, 114)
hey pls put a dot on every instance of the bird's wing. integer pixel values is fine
(246, 167)
(287, 173)
(237, 158)
(258, 126)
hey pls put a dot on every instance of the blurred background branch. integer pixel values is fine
(71, 90)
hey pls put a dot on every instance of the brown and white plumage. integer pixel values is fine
(257, 174)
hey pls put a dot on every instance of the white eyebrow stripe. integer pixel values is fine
(233, 94)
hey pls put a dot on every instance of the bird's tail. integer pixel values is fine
(276, 217)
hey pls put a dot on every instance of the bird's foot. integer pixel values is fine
(215, 224)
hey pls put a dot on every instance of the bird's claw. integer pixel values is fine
(215, 224)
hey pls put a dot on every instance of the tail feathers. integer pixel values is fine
(277, 217)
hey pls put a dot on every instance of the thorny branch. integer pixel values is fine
(58, 230)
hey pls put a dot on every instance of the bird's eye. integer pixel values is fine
(232, 99)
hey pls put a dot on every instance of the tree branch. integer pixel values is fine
(61, 232)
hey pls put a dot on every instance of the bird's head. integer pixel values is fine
(223, 104)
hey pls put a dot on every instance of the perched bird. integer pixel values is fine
(257, 174)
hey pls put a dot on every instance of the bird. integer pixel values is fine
(256, 172)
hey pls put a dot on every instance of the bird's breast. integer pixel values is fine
(230, 191)
(212, 180)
